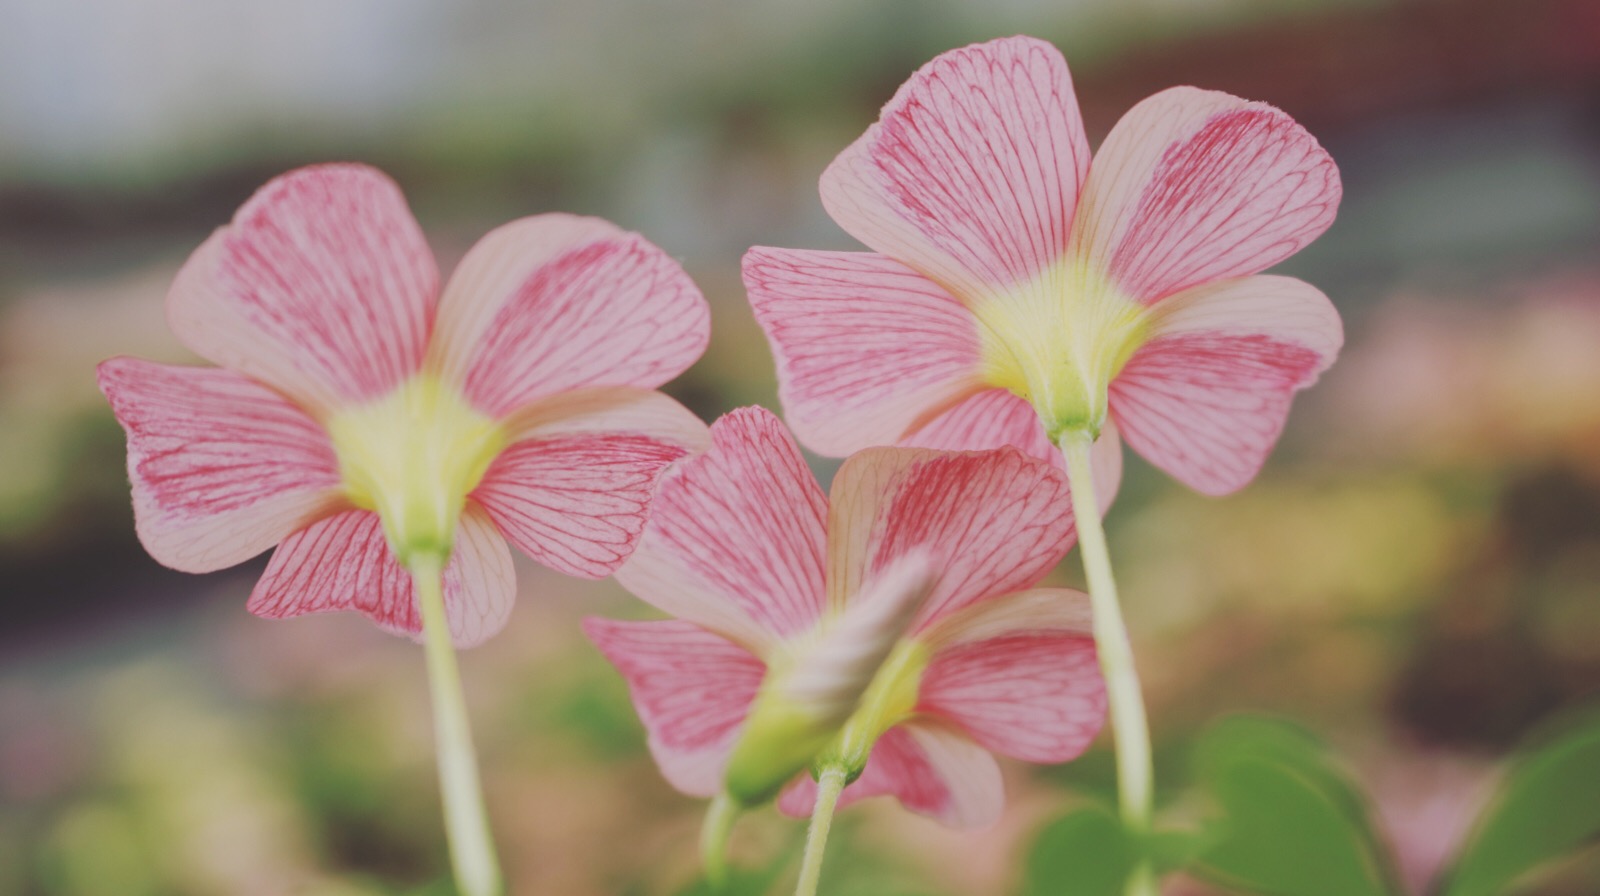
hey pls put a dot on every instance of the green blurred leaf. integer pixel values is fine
(1293, 824)
(1086, 853)
(1548, 806)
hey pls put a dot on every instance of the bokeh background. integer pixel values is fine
(1414, 577)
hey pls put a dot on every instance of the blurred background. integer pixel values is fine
(1414, 577)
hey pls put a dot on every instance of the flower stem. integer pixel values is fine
(714, 838)
(829, 785)
(477, 872)
(1129, 726)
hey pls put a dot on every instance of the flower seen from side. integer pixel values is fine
(1016, 292)
(938, 554)
(363, 422)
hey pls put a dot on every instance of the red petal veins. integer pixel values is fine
(865, 346)
(322, 287)
(344, 563)
(972, 173)
(692, 689)
(736, 536)
(555, 302)
(1207, 397)
(993, 522)
(1196, 186)
(222, 467)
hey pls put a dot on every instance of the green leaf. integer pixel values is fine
(1292, 823)
(1086, 853)
(1548, 807)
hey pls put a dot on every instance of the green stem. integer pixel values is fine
(1128, 724)
(477, 872)
(829, 785)
(714, 838)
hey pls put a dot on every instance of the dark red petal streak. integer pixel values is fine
(692, 690)
(865, 346)
(222, 468)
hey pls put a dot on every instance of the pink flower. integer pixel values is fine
(760, 566)
(1118, 297)
(360, 419)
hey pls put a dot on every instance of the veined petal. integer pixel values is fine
(557, 302)
(931, 769)
(1194, 186)
(344, 563)
(1206, 398)
(692, 690)
(1020, 675)
(222, 467)
(573, 492)
(992, 522)
(736, 536)
(322, 287)
(995, 417)
(971, 174)
(865, 346)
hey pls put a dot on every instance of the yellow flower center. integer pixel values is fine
(888, 701)
(413, 456)
(1058, 341)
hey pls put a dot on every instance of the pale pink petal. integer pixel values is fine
(865, 346)
(557, 302)
(222, 468)
(993, 522)
(692, 690)
(1019, 675)
(1206, 398)
(574, 491)
(322, 287)
(931, 769)
(971, 174)
(344, 563)
(1194, 186)
(736, 536)
(996, 417)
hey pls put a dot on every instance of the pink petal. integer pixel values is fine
(931, 769)
(692, 690)
(993, 522)
(865, 346)
(557, 302)
(995, 417)
(1206, 398)
(971, 174)
(222, 468)
(322, 287)
(736, 536)
(1020, 675)
(343, 563)
(574, 491)
(1194, 186)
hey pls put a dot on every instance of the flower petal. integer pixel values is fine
(736, 536)
(993, 522)
(222, 467)
(1194, 186)
(573, 492)
(931, 769)
(322, 287)
(1019, 675)
(1206, 398)
(343, 563)
(692, 690)
(557, 302)
(971, 174)
(865, 346)
(995, 417)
